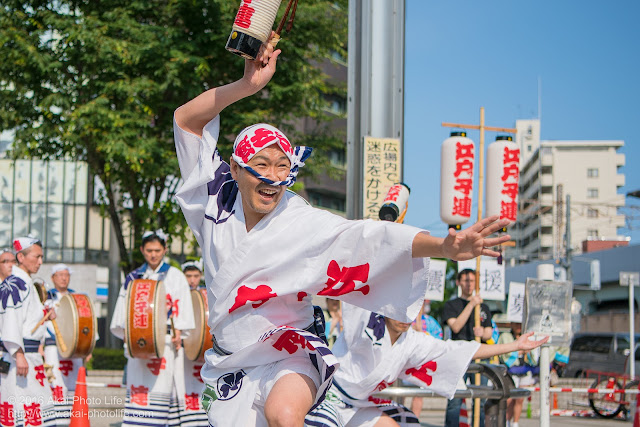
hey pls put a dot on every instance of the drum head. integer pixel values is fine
(160, 313)
(194, 342)
(41, 290)
(67, 318)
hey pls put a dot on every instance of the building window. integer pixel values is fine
(592, 233)
(338, 158)
(592, 173)
(592, 193)
(327, 201)
(48, 199)
(592, 213)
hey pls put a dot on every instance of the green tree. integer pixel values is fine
(99, 81)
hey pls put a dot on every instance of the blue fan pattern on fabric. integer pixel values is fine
(11, 287)
(377, 326)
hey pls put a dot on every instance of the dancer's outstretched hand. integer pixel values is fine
(474, 241)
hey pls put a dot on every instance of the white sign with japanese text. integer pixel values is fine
(515, 303)
(491, 277)
(435, 286)
(382, 169)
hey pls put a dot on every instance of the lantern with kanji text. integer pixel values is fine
(503, 172)
(457, 160)
(394, 206)
(252, 27)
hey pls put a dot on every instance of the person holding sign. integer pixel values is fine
(266, 253)
(457, 314)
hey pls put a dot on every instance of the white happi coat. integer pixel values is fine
(152, 397)
(29, 398)
(370, 363)
(261, 280)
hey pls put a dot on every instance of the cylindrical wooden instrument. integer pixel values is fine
(146, 325)
(78, 326)
(199, 339)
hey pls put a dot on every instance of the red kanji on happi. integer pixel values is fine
(7, 414)
(32, 415)
(243, 18)
(140, 395)
(66, 366)
(196, 372)
(347, 278)
(378, 401)
(301, 295)
(292, 341)
(40, 374)
(172, 306)
(422, 373)
(58, 393)
(156, 365)
(191, 402)
(258, 296)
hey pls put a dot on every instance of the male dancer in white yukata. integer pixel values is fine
(25, 395)
(266, 252)
(375, 351)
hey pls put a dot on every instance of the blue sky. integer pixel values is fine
(461, 55)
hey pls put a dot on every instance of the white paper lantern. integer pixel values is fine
(457, 161)
(395, 203)
(252, 27)
(503, 173)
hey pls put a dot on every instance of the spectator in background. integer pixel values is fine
(523, 367)
(7, 261)
(458, 315)
(430, 326)
(333, 320)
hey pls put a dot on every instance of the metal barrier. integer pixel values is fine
(495, 408)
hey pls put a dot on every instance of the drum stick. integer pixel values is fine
(59, 339)
(41, 322)
(173, 327)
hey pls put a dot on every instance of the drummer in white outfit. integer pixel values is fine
(152, 397)
(193, 414)
(65, 370)
(25, 395)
